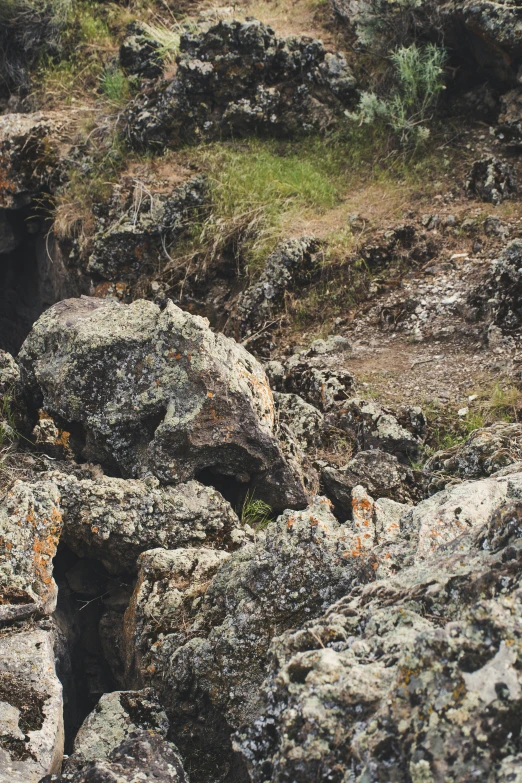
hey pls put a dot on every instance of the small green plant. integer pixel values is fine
(115, 86)
(255, 513)
(167, 37)
(419, 79)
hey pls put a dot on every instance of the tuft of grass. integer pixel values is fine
(168, 38)
(255, 513)
(115, 86)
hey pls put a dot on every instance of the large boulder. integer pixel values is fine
(30, 527)
(31, 722)
(115, 520)
(238, 77)
(149, 391)
(203, 641)
(412, 678)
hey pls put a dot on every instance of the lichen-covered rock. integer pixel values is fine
(484, 36)
(485, 451)
(304, 420)
(115, 520)
(453, 511)
(491, 179)
(140, 54)
(378, 472)
(31, 723)
(142, 757)
(293, 263)
(29, 155)
(374, 427)
(498, 297)
(140, 227)
(115, 717)
(238, 77)
(156, 391)
(413, 678)
(509, 129)
(9, 372)
(30, 527)
(204, 646)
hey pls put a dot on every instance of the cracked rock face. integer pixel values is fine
(31, 722)
(115, 520)
(236, 78)
(203, 642)
(30, 527)
(411, 678)
(499, 296)
(150, 391)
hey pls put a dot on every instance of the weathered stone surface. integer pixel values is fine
(9, 372)
(152, 391)
(142, 757)
(30, 526)
(140, 53)
(379, 473)
(491, 179)
(375, 427)
(452, 512)
(28, 155)
(498, 297)
(509, 129)
(140, 226)
(293, 263)
(304, 420)
(115, 717)
(412, 678)
(204, 646)
(115, 520)
(238, 77)
(31, 724)
(485, 451)
(484, 35)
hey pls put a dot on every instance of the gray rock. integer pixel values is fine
(293, 263)
(499, 296)
(380, 473)
(115, 520)
(9, 372)
(140, 54)
(304, 420)
(151, 391)
(115, 717)
(139, 230)
(205, 646)
(491, 179)
(375, 427)
(412, 678)
(486, 451)
(31, 723)
(30, 527)
(236, 78)
(142, 757)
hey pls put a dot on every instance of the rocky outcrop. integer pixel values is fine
(418, 674)
(31, 722)
(293, 263)
(236, 78)
(142, 227)
(150, 391)
(486, 451)
(140, 54)
(115, 520)
(498, 297)
(486, 33)
(381, 474)
(203, 641)
(30, 527)
(491, 179)
(29, 155)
